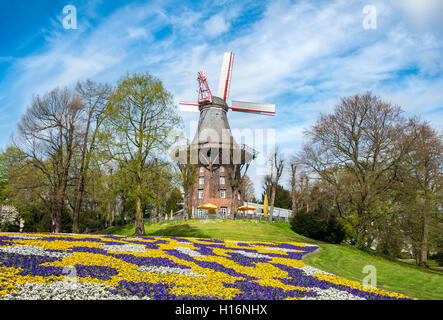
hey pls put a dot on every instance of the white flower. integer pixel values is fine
(311, 270)
(156, 269)
(33, 250)
(252, 254)
(25, 237)
(281, 249)
(65, 290)
(125, 248)
(189, 252)
(332, 294)
(9, 216)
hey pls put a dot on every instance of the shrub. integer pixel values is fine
(313, 225)
(9, 219)
(439, 258)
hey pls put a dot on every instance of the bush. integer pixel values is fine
(439, 258)
(9, 219)
(312, 225)
(439, 255)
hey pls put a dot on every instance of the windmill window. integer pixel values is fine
(222, 169)
(202, 169)
(200, 194)
(223, 194)
(201, 180)
(222, 180)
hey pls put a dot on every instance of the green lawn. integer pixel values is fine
(340, 260)
(392, 276)
(219, 229)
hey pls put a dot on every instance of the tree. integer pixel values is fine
(293, 166)
(277, 166)
(188, 177)
(358, 149)
(49, 137)
(141, 114)
(423, 182)
(95, 98)
(247, 189)
(9, 218)
(236, 170)
(282, 197)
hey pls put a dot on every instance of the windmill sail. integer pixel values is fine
(225, 75)
(188, 107)
(253, 107)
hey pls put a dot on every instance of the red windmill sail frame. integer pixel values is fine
(204, 93)
(228, 78)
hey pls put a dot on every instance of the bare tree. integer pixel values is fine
(293, 166)
(277, 167)
(359, 146)
(188, 177)
(236, 171)
(49, 137)
(95, 97)
(247, 189)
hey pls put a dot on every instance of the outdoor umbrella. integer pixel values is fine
(208, 206)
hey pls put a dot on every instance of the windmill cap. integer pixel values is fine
(216, 101)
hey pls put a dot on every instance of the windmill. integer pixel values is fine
(221, 159)
(205, 94)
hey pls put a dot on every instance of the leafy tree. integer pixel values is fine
(315, 226)
(141, 115)
(282, 197)
(422, 182)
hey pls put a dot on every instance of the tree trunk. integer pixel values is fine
(234, 202)
(77, 205)
(58, 213)
(424, 243)
(293, 189)
(139, 225)
(271, 213)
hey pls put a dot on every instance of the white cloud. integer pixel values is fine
(421, 14)
(301, 55)
(136, 33)
(216, 26)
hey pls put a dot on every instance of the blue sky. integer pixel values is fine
(301, 55)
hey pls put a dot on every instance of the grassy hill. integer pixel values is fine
(341, 260)
(219, 229)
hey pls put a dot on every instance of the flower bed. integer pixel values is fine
(48, 266)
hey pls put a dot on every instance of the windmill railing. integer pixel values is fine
(216, 217)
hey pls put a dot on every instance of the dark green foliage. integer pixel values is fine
(172, 203)
(282, 198)
(313, 225)
(439, 255)
(391, 245)
(439, 258)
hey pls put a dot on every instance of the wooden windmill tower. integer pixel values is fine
(222, 161)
